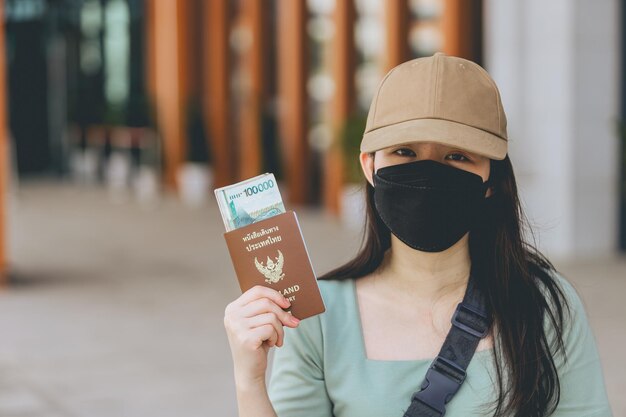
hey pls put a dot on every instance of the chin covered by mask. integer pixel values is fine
(429, 205)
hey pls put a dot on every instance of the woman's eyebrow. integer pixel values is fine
(473, 155)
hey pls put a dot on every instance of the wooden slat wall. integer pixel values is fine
(238, 154)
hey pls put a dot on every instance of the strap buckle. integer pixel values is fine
(443, 379)
(467, 327)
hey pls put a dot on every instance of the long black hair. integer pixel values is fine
(521, 291)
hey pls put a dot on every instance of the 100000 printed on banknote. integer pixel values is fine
(249, 201)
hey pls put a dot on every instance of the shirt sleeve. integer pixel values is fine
(583, 391)
(297, 387)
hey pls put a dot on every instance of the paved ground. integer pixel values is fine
(116, 310)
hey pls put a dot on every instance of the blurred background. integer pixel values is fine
(119, 117)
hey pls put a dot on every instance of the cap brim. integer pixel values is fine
(442, 131)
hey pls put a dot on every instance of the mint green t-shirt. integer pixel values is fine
(322, 369)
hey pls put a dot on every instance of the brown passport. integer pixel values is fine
(272, 253)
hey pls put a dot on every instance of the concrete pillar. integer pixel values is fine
(556, 65)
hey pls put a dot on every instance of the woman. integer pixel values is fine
(442, 211)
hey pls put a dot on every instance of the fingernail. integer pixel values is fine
(286, 301)
(295, 320)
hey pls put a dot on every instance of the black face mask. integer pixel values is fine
(427, 204)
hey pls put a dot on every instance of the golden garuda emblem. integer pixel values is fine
(272, 271)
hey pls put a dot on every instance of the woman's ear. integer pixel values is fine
(367, 164)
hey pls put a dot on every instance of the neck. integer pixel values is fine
(427, 275)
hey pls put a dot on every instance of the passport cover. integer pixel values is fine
(272, 253)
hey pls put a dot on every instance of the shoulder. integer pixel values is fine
(576, 330)
(338, 301)
(336, 296)
(309, 338)
(572, 303)
(332, 289)
(566, 286)
(579, 366)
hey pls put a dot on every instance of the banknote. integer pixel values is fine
(249, 201)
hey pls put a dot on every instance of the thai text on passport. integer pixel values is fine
(269, 240)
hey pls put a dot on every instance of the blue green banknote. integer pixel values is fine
(249, 201)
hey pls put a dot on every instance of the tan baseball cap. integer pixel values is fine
(439, 98)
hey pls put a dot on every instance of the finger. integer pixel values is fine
(267, 318)
(260, 291)
(260, 334)
(265, 305)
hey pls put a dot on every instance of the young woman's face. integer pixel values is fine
(416, 151)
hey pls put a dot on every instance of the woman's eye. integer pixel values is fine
(461, 157)
(404, 152)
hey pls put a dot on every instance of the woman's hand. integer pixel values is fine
(254, 323)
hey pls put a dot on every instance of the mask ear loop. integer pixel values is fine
(373, 154)
(489, 185)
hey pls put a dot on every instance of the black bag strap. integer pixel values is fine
(470, 323)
